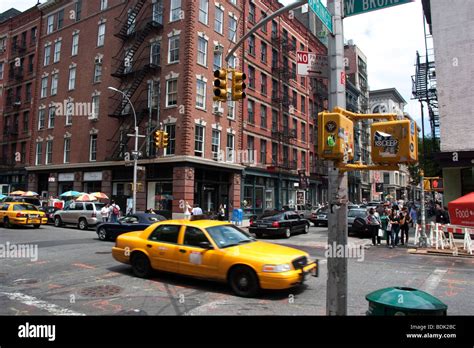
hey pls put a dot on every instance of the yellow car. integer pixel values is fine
(214, 250)
(20, 213)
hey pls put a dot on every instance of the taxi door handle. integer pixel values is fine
(148, 245)
(182, 251)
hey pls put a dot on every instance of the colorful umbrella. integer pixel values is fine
(70, 194)
(17, 193)
(86, 198)
(30, 194)
(2, 196)
(99, 195)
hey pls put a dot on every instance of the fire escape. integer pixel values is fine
(136, 60)
(424, 88)
(281, 132)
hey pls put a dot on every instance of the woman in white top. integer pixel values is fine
(187, 211)
(104, 212)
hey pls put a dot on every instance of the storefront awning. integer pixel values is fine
(461, 210)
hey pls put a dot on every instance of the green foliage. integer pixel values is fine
(431, 166)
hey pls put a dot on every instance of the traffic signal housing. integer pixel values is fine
(394, 142)
(238, 85)
(433, 184)
(164, 139)
(158, 139)
(220, 85)
(335, 137)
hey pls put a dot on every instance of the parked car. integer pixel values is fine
(214, 250)
(49, 212)
(283, 223)
(129, 223)
(351, 216)
(304, 211)
(20, 213)
(82, 214)
(320, 217)
(31, 200)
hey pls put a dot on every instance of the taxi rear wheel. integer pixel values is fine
(244, 282)
(141, 265)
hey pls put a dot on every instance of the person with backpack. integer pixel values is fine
(373, 223)
(114, 211)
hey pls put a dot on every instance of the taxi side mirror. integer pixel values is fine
(205, 245)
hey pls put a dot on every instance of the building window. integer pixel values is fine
(101, 35)
(263, 84)
(263, 52)
(251, 12)
(78, 10)
(303, 160)
(51, 116)
(69, 109)
(251, 147)
(50, 25)
(39, 153)
(93, 148)
(264, 27)
(386, 178)
(41, 119)
(219, 20)
(199, 141)
(303, 104)
(172, 92)
(232, 62)
(230, 141)
(49, 152)
(252, 45)
(303, 132)
(274, 120)
(263, 151)
(293, 71)
(171, 130)
(54, 84)
(202, 51)
(44, 87)
(155, 54)
(231, 109)
(232, 29)
(274, 153)
(201, 94)
(47, 55)
(250, 110)
(34, 34)
(60, 19)
(173, 49)
(97, 72)
(72, 78)
(295, 126)
(67, 150)
(217, 60)
(103, 5)
(274, 29)
(263, 116)
(31, 59)
(295, 159)
(203, 11)
(2, 67)
(216, 142)
(26, 121)
(95, 106)
(251, 77)
(175, 11)
(75, 44)
(23, 152)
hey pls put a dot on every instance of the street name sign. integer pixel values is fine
(355, 7)
(312, 64)
(322, 12)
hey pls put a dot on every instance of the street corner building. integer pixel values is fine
(64, 129)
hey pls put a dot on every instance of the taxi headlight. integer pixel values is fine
(276, 268)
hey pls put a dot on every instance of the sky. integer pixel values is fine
(389, 38)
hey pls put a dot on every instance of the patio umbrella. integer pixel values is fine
(99, 195)
(17, 193)
(2, 196)
(86, 198)
(30, 194)
(70, 194)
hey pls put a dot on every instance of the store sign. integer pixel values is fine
(66, 177)
(93, 176)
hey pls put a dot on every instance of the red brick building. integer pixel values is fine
(18, 62)
(280, 112)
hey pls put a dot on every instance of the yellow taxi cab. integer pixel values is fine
(21, 213)
(214, 250)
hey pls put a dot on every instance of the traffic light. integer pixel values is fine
(433, 184)
(164, 139)
(220, 85)
(426, 185)
(335, 137)
(238, 85)
(394, 142)
(158, 139)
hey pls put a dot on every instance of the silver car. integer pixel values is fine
(82, 214)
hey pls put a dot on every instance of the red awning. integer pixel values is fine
(461, 210)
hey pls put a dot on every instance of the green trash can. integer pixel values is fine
(404, 301)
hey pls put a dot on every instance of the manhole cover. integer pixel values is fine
(103, 252)
(25, 281)
(101, 291)
(132, 312)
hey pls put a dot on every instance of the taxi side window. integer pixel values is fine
(4, 207)
(193, 236)
(166, 234)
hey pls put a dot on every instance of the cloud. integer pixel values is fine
(20, 5)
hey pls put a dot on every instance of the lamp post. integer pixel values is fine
(135, 152)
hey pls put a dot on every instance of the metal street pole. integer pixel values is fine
(135, 152)
(336, 296)
(424, 239)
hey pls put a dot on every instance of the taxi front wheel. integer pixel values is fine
(36, 226)
(141, 265)
(244, 282)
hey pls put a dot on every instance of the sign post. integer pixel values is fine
(312, 64)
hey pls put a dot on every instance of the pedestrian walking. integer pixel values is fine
(405, 221)
(187, 211)
(394, 220)
(413, 215)
(114, 211)
(373, 222)
(196, 210)
(105, 212)
(385, 220)
(221, 213)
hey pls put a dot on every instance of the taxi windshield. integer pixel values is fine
(228, 235)
(24, 206)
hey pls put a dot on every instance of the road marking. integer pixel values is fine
(433, 280)
(33, 301)
(83, 265)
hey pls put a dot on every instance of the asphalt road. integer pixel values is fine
(75, 274)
